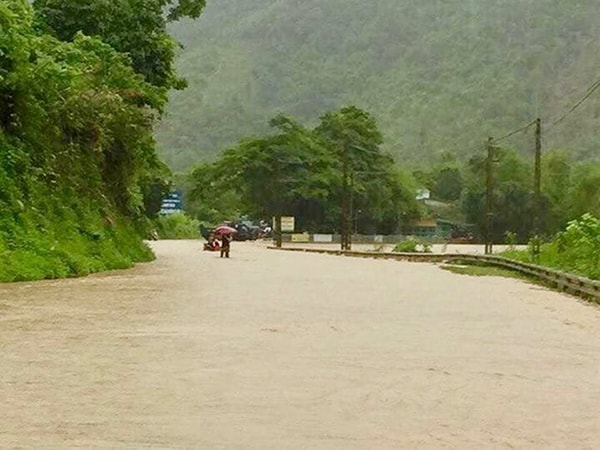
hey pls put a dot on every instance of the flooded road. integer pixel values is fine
(274, 350)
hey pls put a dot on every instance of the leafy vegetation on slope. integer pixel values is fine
(438, 76)
(575, 250)
(77, 152)
(132, 27)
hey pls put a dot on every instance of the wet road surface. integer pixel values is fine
(272, 350)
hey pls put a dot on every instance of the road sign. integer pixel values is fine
(288, 224)
(172, 204)
(301, 237)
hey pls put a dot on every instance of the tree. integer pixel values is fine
(75, 144)
(370, 181)
(210, 197)
(81, 107)
(512, 199)
(115, 40)
(448, 183)
(298, 171)
(155, 185)
(584, 192)
(133, 27)
(557, 168)
(277, 173)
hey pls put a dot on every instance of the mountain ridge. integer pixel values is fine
(438, 76)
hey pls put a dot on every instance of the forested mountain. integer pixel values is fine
(439, 75)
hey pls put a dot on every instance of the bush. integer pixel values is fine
(53, 248)
(412, 246)
(575, 250)
(578, 247)
(177, 226)
(511, 238)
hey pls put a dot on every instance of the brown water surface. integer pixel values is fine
(272, 350)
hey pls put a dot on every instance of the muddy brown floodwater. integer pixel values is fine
(275, 350)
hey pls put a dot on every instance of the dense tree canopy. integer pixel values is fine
(133, 27)
(80, 105)
(380, 192)
(77, 152)
(298, 171)
(569, 189)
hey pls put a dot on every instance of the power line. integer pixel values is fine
(586, 96)
(518, 130)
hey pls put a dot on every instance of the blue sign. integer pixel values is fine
(172, 204)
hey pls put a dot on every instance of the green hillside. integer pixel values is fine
(80, 179)
(438, 75)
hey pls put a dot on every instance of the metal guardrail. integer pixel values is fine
(572, 284)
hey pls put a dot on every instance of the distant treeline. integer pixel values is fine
(295, 170)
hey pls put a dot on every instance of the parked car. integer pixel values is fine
(246, 231)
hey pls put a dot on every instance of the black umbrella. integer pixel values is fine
(204, 232)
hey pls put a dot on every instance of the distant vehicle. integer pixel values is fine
(461, 236)
(246, 231)
(267, 232)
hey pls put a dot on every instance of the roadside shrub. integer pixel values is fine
(575, 250)
(578, 247)
(510, 238)
(177, 226)
(412, 246)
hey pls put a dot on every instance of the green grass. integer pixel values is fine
(487, 271)
(77, 243)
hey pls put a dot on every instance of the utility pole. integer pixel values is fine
(278, 235)
(489, 205)
(278, 203)
(351, 212)
(344, 219)
(537, 182)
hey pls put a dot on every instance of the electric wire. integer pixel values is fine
(518, 130)
(580, 102)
